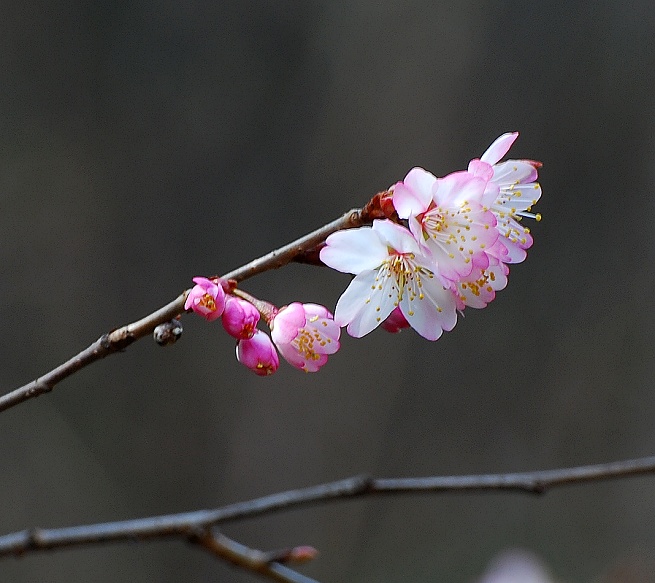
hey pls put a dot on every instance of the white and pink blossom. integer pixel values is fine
(305, 335)
(391, 270)
(446, 215)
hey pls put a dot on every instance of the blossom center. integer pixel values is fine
(207, 301)
(432, 220)
(267, 368)
(402, 269)
(307, 337)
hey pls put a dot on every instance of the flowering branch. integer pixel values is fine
(302, 249)
(435, 247)
(190, 524)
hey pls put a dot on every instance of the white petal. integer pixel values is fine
(514, 171)
(499, 148)
(432, 314)
(363, 306)
(354, 250)
(399, 238)
(421, 182)
(406, 202)
(353, 299)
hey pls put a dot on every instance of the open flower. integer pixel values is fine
(305, 334)
(391, 270)
(446, 216)
(258, 354)
(511, 191)
(239, 318)
(206, 298)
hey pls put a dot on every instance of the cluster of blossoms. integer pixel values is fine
(305, 334)
(446, 245)
(461, 233)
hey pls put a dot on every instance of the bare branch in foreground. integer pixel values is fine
(189, 523)
(119, 339)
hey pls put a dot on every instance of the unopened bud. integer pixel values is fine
(239, 318)
(168, 332)
(258, 354)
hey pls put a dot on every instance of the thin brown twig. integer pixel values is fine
(249, 559)
(188, 523)
(119, 339)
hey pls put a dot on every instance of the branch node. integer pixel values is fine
(363, 484)
(35, 540)
(539, 488)
(117, 340)
(105, 342)
(38, 388)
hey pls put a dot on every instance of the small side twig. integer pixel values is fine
(188, 523)
(250, 559)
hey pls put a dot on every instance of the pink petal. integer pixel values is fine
(499, 148)
(481, 169)
(458, 187)
(413, 195)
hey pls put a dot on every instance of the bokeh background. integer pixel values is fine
(146, 143)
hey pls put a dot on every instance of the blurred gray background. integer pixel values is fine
(146, 143)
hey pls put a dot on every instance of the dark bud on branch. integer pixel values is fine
(168, 332)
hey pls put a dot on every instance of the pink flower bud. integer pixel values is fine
(240, 318)
(206, 298)
(395, 322)
(258, 354)
(305, 334)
